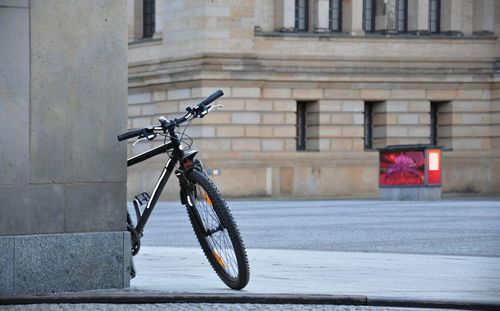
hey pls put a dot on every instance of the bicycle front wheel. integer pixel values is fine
(217, 232)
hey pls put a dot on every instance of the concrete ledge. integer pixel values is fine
(51, 263)
(146, 298)
(410, 193)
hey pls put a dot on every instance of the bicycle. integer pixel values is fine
(212, 222)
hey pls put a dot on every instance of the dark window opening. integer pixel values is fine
(434, 16)
(148, 14)
(301, 125)
(368, 125)
(402, 15)
(434, 123)
(369, 15)
(301, 15)
(335, 23)
(435, 110)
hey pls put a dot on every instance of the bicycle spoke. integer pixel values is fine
(229, 262)
(210, 211)
(230, 246)
(218, 241)
(229, 250)
(218, 246)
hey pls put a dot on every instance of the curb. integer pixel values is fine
(134, 298)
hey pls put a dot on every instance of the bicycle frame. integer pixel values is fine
(160, 184)
(178, 155)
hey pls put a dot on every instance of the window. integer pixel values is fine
(307, 126)
(434, 123)
(401, 15)
(438, 121)
(301, 15)
(301, 126)
(368, 125)
(369, 15)
(335, 16)
(148, 17)
(434, 16)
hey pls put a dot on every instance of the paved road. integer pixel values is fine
(448, 227)
(191, 306)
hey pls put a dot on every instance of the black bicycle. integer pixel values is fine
(210, 217)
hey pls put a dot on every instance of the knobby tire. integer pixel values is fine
(230, 263)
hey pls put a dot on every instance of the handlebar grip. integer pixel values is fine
(211, 98)
(130, 134)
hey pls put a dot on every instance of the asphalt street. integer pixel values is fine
(447, 227)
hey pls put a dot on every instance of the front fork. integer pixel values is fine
(185, 184)
(188, 190)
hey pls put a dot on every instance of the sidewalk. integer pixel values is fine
(408, 276)
(183, 275)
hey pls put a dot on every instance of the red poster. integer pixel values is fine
(400, 168)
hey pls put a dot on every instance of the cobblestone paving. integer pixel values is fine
(192, 306)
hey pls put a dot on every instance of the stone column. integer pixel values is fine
(159, 6)
(321, 15)
(63, 174)
(484, 16)
(130, 20)
(134, 15)
(451, 16)
(352, 17)
(418, 16)
(284, 15)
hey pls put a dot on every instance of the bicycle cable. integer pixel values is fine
(188, 145)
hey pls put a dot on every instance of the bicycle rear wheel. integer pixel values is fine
(217, 232)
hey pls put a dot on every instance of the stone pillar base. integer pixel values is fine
(50, 263)
(410, 193)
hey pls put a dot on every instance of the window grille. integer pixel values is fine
(148, 14)
(369, 15)
(335, 15)
(402, 15)
(434, 16)
(368, 125)
(301, 126)
(301, 15)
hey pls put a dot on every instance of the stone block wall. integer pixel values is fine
(252, 140)
(63, 174)
(400, 122)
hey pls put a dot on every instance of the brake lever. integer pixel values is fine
(139, 140)
(215, 107)
(149, 137)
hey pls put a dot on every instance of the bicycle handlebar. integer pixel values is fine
(211, 98)
(200, 110)
(130, 134)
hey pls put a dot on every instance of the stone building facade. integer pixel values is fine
(313, 88)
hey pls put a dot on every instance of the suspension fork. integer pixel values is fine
(187, 188)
